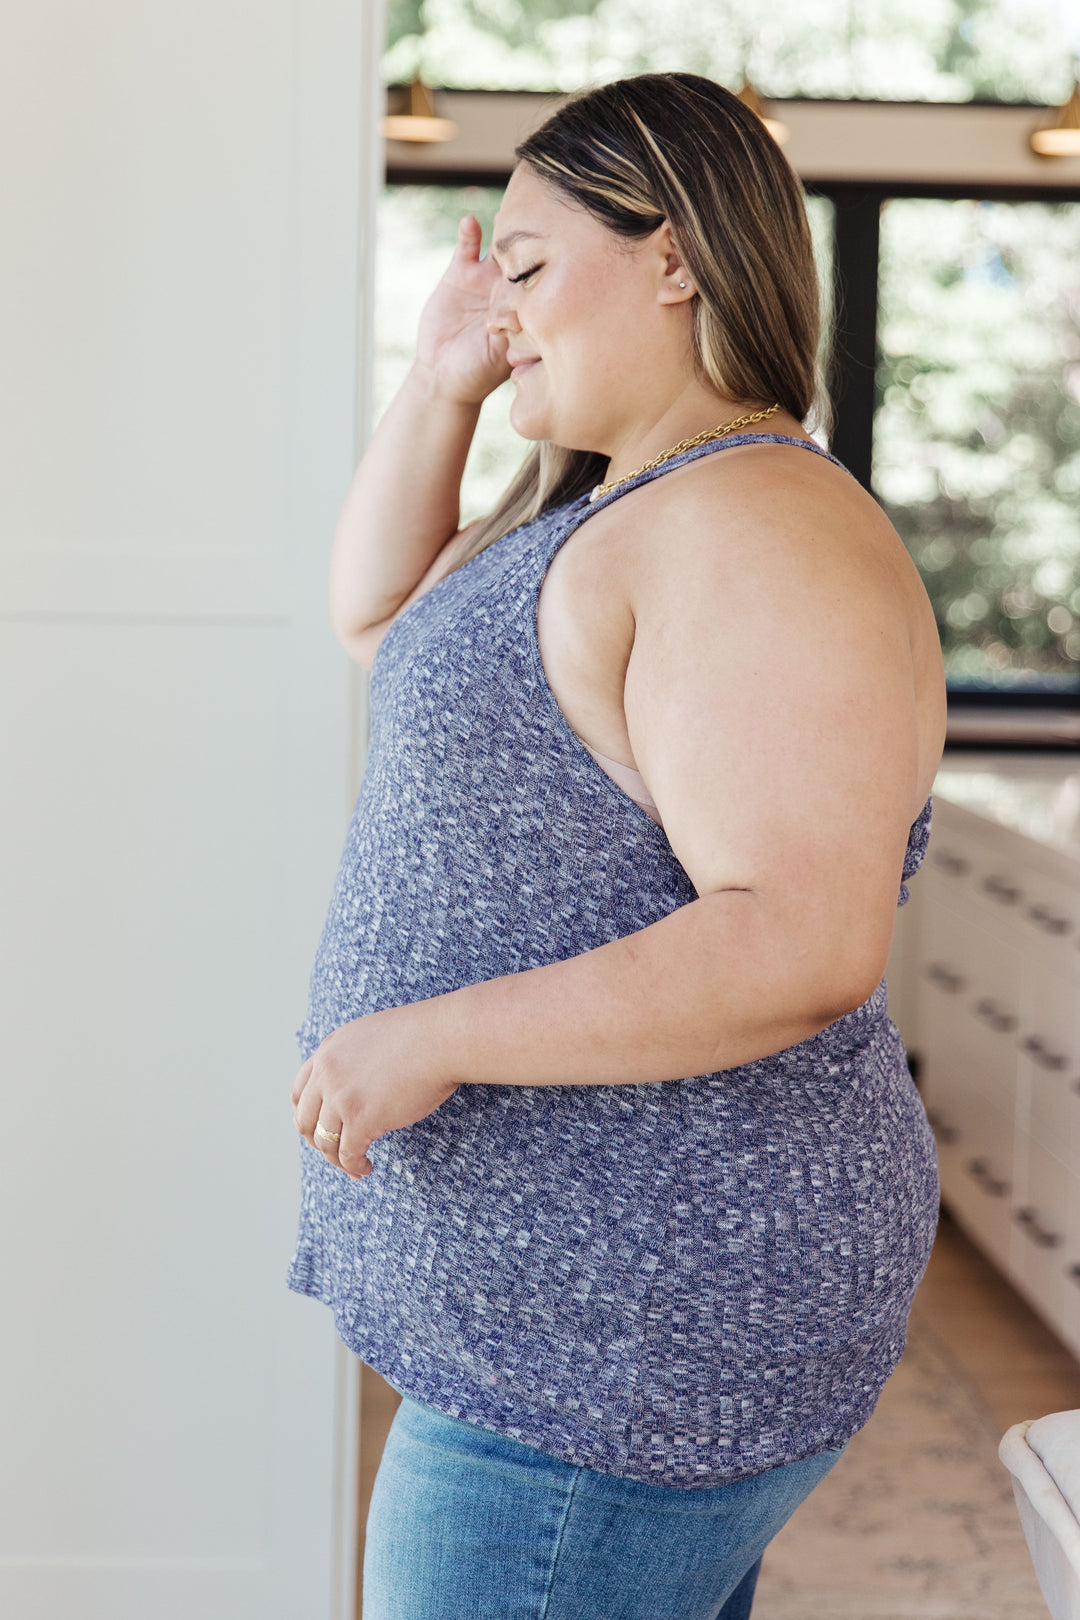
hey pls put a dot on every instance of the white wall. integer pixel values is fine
(186, 186)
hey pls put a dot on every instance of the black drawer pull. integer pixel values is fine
(1052, 921)
(981, 1172)
(948, 862)
(946, 978)
(943, 1133)
(1028, 1219)
(1073, 1272)
(997, 888)
(1033, 1046)
(991, 1014)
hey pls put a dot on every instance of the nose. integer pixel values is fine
(502, 316)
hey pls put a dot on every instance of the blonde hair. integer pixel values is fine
(677, 147)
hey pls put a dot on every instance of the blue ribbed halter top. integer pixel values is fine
(683, 1282)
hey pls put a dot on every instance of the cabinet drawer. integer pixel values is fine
(959, 852)
(950, 856)
(978, 1180)
(1049, 920)
(977, 877)
(945, 972)
(1070, 1268)
(1045, 1200)
(970, 992)
(998, 1017)
(1048, 1061)
(989, 1016)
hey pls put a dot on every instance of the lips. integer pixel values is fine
(520, 367)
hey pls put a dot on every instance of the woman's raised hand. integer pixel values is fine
(454, 348)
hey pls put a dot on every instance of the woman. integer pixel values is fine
(612, 1163)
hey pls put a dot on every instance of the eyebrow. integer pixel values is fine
(508, 241)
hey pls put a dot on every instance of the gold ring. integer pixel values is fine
(327, 1136)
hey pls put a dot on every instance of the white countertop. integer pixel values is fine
(1036, 794)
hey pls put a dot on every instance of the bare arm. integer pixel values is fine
(402, 506)
(708, 988)
(723, 981)
(401, 509)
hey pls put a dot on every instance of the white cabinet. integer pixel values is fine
(997, 1019)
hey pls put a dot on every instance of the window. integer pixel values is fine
(938, 50)
(977, 433)
(954, 343)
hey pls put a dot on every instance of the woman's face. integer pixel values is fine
(597, 327)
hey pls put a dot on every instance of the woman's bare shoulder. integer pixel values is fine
(785, 563)
(772, 514)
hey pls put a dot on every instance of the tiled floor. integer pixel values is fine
(917, 1520)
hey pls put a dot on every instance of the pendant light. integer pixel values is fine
(1061, 136)
(420, 122)
(750, 98)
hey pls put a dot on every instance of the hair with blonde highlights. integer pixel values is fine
(677, 147)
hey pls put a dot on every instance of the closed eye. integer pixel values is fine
(525, 274)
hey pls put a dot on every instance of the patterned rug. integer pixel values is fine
(917, 1519)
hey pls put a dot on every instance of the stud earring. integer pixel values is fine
(682, 283)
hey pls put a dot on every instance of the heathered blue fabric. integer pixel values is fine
(683, 1282)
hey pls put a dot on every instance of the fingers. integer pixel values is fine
(311, 1110)
(300, 1082)
(306, 1113)
(352, 1155)
(327, 1136)
(341, 1147)
(319, 1125)
(470, 235)
(470, 238)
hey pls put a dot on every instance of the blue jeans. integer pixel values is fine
(469, 1525)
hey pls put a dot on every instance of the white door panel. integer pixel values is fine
(188, 190)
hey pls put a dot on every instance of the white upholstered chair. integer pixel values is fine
(1043, 1458)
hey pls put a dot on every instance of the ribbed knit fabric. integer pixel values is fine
(682, 1282)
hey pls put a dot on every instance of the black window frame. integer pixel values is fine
(855, 355)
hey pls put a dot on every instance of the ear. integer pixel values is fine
(675, 283)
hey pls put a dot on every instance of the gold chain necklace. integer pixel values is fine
(686, 444)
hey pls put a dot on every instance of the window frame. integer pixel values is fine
(853, 369)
